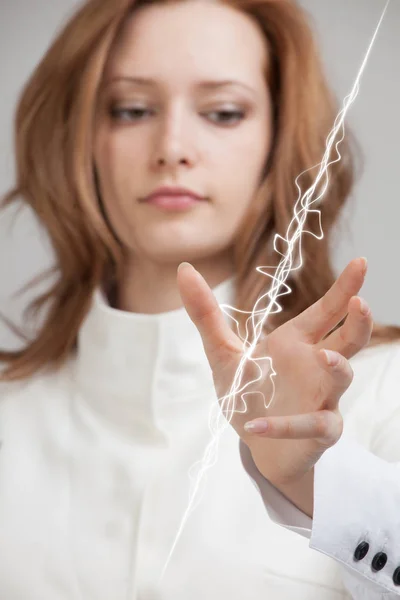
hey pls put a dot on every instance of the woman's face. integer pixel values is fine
(168, 117)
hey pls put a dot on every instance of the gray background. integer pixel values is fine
(369, 226)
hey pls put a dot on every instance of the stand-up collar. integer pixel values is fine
(131, 367)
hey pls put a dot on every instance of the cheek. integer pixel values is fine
(119, 154)
(248, 153)
(242, 173)
(116, 169)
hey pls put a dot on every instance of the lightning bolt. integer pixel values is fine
(222, 411)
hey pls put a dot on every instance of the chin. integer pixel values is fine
(177, 253)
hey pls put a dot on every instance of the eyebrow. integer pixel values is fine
(208, 84)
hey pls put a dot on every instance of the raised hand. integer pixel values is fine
(312, 372)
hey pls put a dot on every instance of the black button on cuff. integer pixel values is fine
(396, 576)
(379, 561)
(361, 550)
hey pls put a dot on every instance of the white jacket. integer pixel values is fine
(94, 480)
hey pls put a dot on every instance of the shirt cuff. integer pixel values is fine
(278, 507)
(356, 499)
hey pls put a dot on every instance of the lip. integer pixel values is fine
(172, 191)
(173, 198)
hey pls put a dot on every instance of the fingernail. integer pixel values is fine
(365, 264)
(332, 358)
(184, 265)
(256, 426)
(365, 310)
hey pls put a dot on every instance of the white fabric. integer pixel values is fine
(94, 478)
(357, 482)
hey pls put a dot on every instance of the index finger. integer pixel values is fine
(205, 312)
(322, 316)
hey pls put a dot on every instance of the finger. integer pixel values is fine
(203, 309)
(339, 376)
(355, 333)
(324, 425)
(320, 318)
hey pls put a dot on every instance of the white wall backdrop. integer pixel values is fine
(370, 226)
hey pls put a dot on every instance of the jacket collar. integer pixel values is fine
(134, 368)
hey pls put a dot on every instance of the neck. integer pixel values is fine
(150, 288)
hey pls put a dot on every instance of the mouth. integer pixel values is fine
(178, 202)
(173, 199)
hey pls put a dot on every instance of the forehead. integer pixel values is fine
(196, 38)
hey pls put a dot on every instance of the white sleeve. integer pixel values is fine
(356, 505)
(356, 502)
(279, 508)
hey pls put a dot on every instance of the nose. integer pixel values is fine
(174, 142)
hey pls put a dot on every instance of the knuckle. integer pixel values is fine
(204, 316)
(288, 428)
(350, 372)
(352, 347)
(339, 425)
(330, 310)
(343, 371)
(353, 340)
(347, 373)
(329, 426)
(336, 429)
(321, 424)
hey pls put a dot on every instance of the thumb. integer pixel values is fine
(203, 309)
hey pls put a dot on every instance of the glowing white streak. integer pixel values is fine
(222, 411)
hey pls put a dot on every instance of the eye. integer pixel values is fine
(129, 114)
(228, 116)
(134, 114)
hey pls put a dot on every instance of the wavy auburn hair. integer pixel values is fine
(55, 175)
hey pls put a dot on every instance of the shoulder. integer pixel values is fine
(34, 394)
(375, 391)
(380, 363)
(371, 367)
(22, 387)
(381, 415)
(377, 356)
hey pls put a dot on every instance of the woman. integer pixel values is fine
(105, 412)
